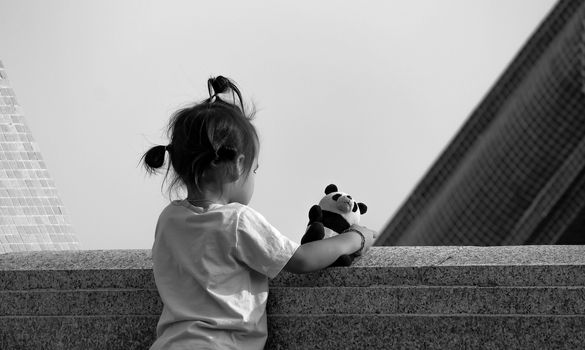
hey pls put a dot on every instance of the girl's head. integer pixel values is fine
(212, 143)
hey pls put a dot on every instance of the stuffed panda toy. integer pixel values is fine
(336, 212)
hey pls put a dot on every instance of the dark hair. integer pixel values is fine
(204, 135)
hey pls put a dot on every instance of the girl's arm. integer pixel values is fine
(317, 255)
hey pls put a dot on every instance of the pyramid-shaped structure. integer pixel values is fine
(515, 172)
(32, 216)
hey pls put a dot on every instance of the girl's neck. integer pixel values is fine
(205, 198)
(202, 203)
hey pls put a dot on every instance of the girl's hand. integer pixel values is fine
(319, 254)
(369, 235)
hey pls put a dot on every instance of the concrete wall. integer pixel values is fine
(525, 297)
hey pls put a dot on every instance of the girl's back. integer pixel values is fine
(211, 267)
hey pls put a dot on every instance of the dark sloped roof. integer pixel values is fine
(514, 173)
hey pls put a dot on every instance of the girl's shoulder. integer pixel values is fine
(243, 209)
(248, 216)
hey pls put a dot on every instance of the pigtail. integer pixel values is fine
(154, 158)
(220, 85)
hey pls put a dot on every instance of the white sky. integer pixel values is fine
(364, 94)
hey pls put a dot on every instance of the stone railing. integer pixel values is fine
(529, 297)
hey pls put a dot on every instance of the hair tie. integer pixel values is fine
(225, 154)
(218, 84)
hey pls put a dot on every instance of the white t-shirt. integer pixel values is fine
(211, 267)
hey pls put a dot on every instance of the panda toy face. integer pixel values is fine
(342, 204)
(334, 214)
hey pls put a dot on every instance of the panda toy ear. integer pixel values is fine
(363, 208)
(330, 189)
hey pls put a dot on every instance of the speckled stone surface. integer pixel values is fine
(375, 257)
(477, 266)
(428, 300)
(452, 266)
(80, 302)
(318, 301)
(393, 297)
(470, 256)
(84, 332)
(126, 259)
(426, 332)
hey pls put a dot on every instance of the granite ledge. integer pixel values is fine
(424, 256)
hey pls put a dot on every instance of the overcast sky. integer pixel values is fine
(363, 94)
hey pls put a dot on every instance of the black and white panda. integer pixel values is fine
(336, 212)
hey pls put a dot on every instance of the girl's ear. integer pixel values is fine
(240, 164)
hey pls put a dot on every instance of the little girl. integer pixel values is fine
(212, 254)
